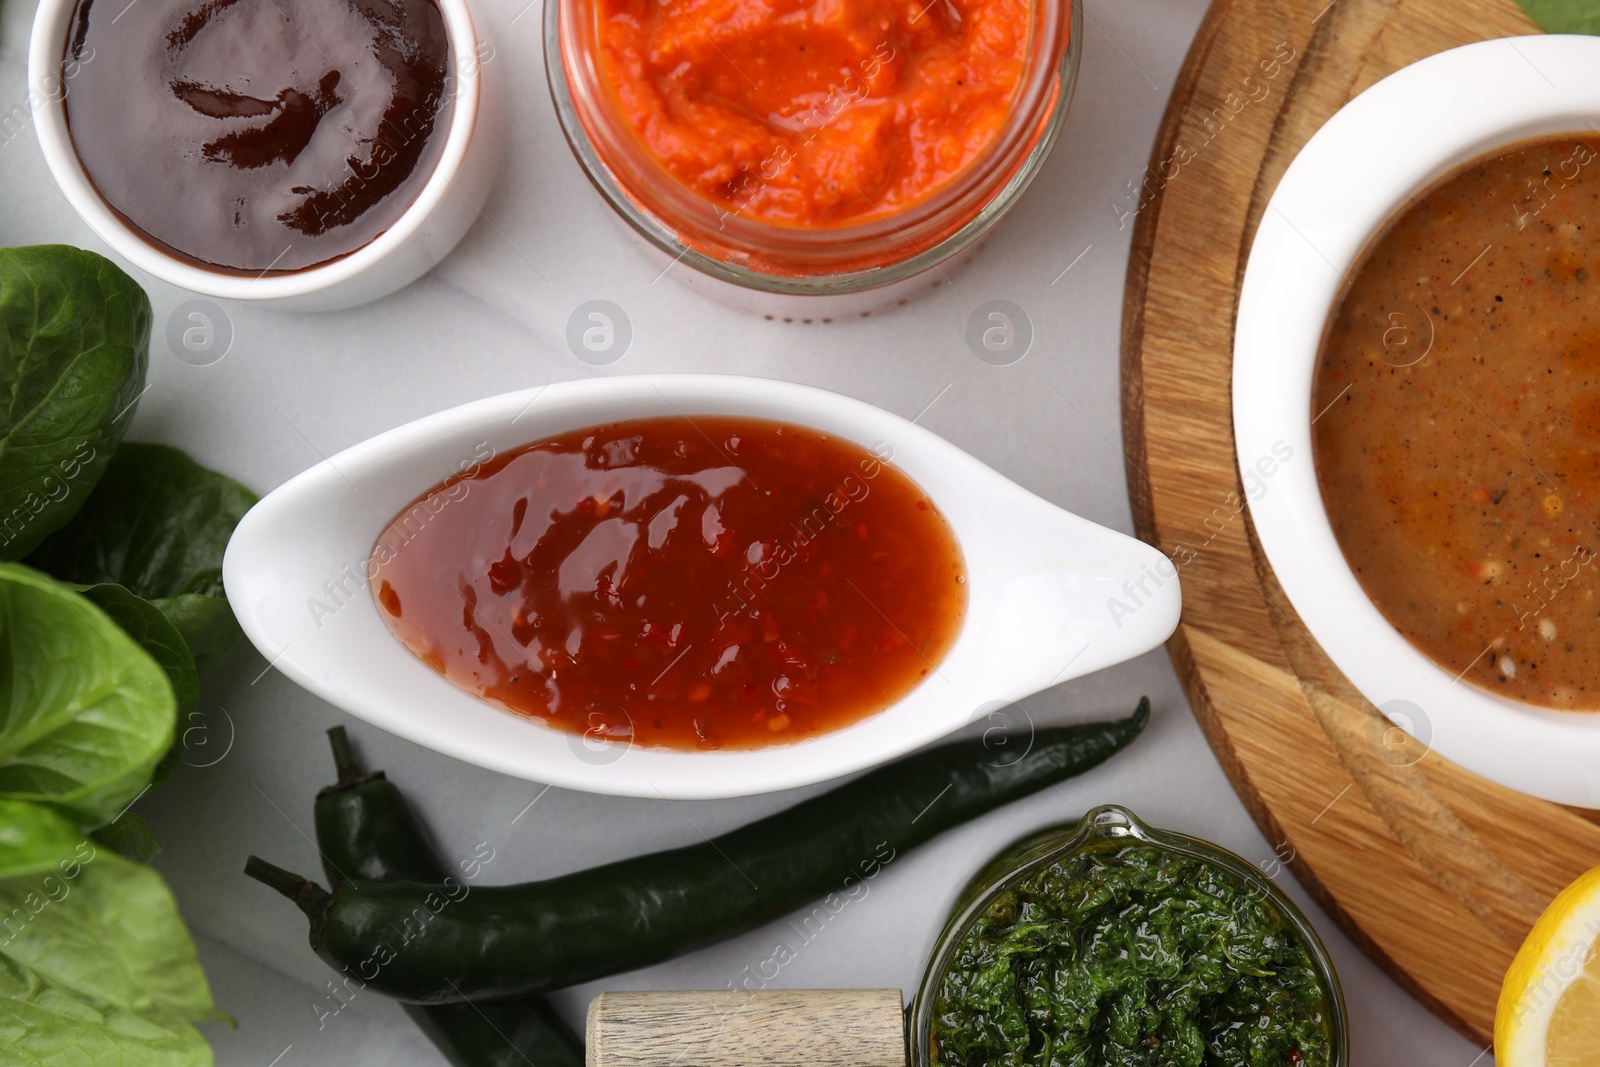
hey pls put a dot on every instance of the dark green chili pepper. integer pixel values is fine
(365, 829)
(440, 942)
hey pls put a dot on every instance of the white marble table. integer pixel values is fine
(492, 317)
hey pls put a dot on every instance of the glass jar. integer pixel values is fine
(1115, 824)
(770, 258)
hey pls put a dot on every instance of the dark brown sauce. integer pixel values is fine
(258, 136)
(679, 583)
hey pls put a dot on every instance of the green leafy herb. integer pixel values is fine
(206, 624)
(158, 524)
(1131, 956)
(1564, 16)
(129, 836)
(33, 837)
(96, 968)
(85, 712)
(74, 343)
(148, 625)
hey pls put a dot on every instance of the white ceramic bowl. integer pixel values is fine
(441, 214)
(1372, 159)
(1039, 583)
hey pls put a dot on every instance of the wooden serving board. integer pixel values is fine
(1435, 872)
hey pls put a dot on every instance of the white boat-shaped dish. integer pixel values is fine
(1051, 596)
(1372, 159)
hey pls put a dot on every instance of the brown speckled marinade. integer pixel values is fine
(1458, 445)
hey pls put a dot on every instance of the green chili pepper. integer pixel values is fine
(439, 942)
(365, 829)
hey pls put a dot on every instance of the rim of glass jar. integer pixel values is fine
(1109, 822)
(981, 193)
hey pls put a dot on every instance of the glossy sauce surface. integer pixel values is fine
(812, 113)
(1457, 431)
(688, 583)
(258, 137)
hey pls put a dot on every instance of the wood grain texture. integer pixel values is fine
(748, 1028)
(1436, 873)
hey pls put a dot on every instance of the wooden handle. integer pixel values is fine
(748, 1028)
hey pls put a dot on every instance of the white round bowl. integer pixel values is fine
(441, 214)
(1371, 160)
(1051, 596)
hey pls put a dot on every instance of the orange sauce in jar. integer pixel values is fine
(685, 583)
(814, 113)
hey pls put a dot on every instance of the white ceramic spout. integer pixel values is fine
(1060, 596)
(1051, 596)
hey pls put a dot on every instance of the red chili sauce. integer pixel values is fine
(814, 114)
(684, 583)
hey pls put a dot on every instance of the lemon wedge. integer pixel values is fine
(1549, 1010)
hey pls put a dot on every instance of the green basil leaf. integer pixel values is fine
(85, 712)
(42, 1025)
(74, 345)
(1565, 16)
(33, 838)
(158, 524)
(130, 837)
(97, 968)
(206, 623)
(108, 929)
(167, 766)
(147, 624)
(156, 632)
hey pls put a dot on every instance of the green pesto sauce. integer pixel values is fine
(1131, 956)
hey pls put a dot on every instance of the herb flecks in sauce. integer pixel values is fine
(1131, 956)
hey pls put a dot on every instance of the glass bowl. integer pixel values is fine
(766, 258)
(1108, 823)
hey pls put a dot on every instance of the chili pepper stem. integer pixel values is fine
(344, 757)
(307, 895)
(345, 762)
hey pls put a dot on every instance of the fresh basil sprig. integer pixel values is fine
(95, 965)
(104, 636)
